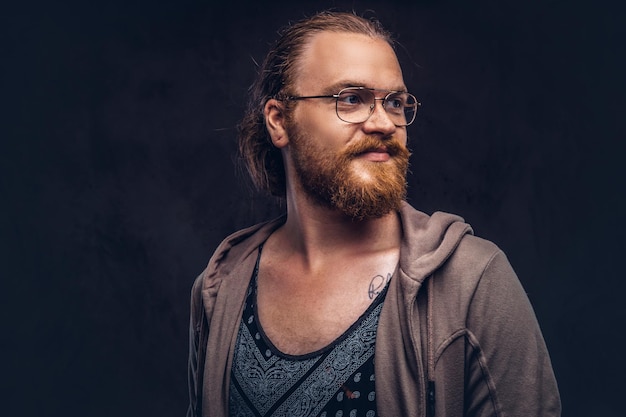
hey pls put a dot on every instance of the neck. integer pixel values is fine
(316, 233)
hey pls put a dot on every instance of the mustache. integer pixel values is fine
(370, 143)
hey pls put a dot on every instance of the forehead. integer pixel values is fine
(336, 59)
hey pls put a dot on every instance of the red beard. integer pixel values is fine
(331, 180)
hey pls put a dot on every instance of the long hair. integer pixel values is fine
(275, 78)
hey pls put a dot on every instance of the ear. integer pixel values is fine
(274, 113)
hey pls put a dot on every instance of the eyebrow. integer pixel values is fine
(336, 87)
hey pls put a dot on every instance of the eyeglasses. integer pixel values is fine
(356, 105)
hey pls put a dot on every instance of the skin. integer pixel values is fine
(321, 270)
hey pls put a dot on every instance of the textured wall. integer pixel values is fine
(117, 178)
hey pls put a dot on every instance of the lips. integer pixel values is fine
(380, 149)
(379, 154)
(376, 150)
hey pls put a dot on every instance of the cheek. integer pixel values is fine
(403, 137)
(326, 129)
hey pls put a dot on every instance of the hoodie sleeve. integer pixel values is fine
(196, 334)
(508, 367)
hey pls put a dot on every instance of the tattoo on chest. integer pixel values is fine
(377, 284)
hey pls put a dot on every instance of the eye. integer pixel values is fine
(349, 98)
(395, 101)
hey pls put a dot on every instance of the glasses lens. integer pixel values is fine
(356, 104)
(401, 107)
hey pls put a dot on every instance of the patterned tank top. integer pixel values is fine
(335, 381)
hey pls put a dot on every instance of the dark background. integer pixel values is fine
(118, 180)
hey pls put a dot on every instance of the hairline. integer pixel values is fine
(308, 39)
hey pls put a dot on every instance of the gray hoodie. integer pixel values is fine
(457, 335)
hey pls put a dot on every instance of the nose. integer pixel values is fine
(379, 120)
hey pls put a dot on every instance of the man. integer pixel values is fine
(354, 303)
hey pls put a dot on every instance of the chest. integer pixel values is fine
(300, 314)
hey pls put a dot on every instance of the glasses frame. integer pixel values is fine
(371, 106)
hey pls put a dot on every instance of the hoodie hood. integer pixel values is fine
(428, 241)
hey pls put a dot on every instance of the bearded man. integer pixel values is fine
(354, 303)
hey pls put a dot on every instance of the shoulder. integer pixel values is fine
(474, 273)
(473, 261)
(229, 255)
(475, 254)
(232, 250)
